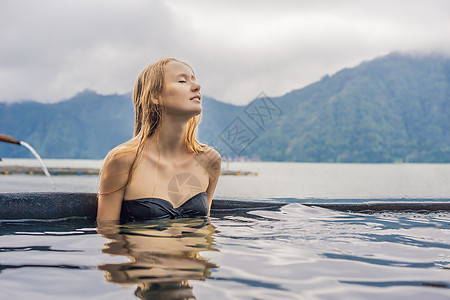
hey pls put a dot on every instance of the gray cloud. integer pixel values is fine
(53, 49)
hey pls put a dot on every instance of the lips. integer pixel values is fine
(197, 97)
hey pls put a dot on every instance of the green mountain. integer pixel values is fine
(392, 109)
(85, 126)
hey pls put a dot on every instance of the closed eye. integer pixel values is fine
(181, 80)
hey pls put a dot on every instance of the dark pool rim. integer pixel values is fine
(56, 205)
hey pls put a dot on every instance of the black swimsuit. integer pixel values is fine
(156, 208)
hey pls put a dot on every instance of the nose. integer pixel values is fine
(195, 87)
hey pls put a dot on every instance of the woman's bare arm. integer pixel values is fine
(213, 167)
(112, 187)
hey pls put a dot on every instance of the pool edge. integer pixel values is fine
(55, 205)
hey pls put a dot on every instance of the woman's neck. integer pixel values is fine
(170, 138)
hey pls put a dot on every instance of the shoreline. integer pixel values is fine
(56, 171)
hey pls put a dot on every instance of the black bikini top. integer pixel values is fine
(156, 209)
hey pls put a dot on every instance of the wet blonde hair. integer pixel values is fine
(149, 115)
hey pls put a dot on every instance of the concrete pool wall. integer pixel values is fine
(55, 205)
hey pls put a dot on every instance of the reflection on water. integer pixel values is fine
(295, 252)
(163, 255)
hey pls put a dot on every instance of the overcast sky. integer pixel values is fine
(52, 49)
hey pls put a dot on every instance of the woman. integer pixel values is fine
(163, 171)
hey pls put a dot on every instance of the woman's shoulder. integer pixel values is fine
(119, 159)
(211, 160)
(210, 154)
(214, 155)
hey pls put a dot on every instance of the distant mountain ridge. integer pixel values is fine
(395, 108)
(87, 125)
(81, 127)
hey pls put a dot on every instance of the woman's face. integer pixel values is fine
(181, 93)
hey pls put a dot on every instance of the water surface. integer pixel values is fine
(296, 252)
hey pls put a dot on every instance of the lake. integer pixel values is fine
(277, 180)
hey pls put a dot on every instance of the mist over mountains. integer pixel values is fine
(395, 108)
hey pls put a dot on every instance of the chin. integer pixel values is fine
(197, 112)
(191, 112)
